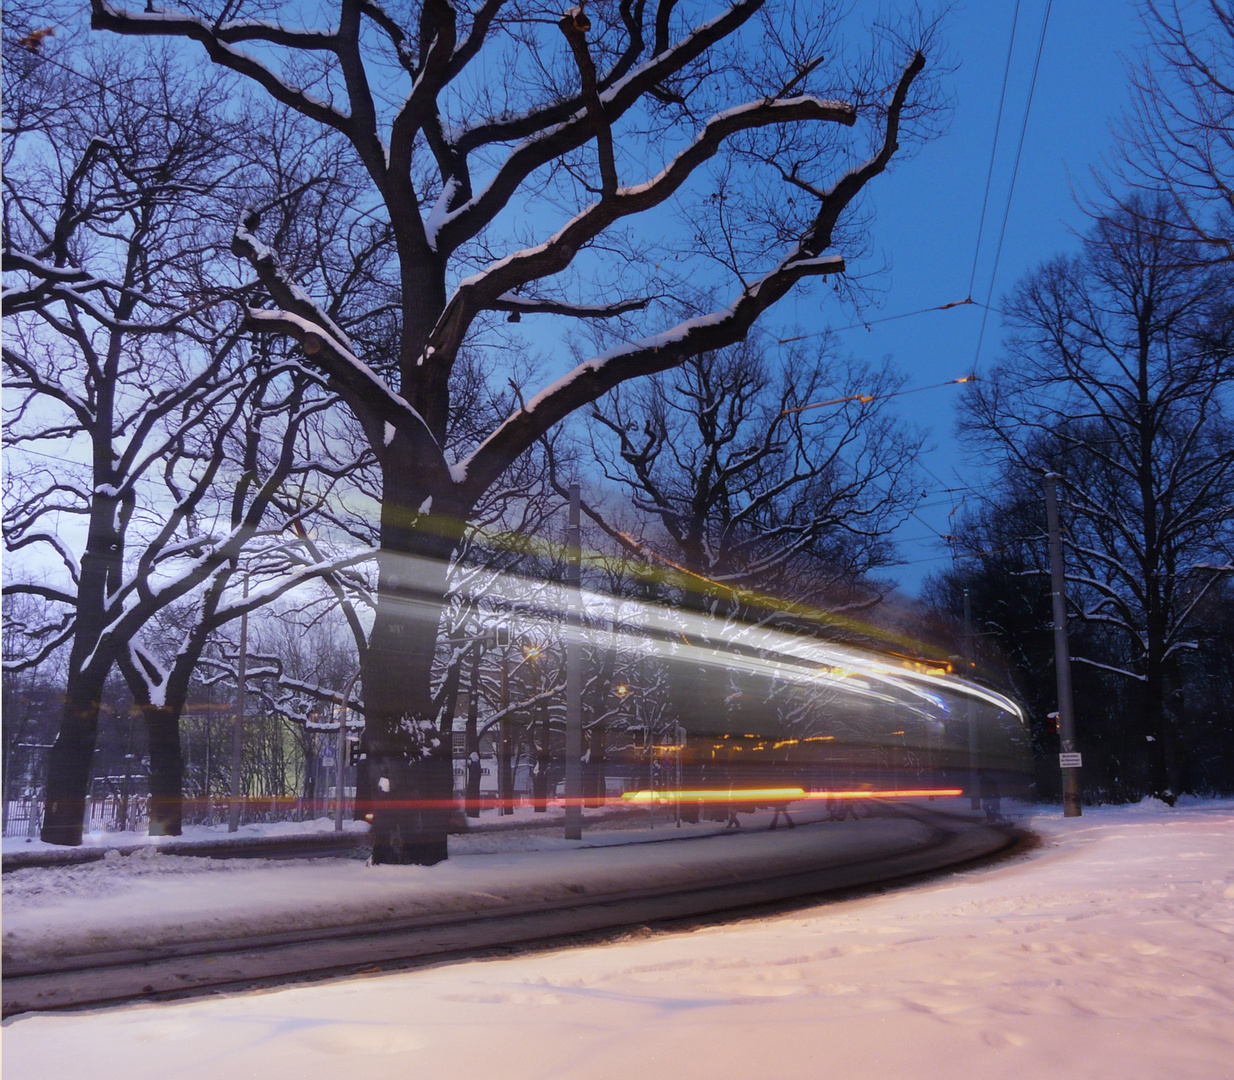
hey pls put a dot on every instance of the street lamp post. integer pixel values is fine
(340, 795)
(505, 773)
(574, 675)
(681, 749)
(974, 787)
(237, 731)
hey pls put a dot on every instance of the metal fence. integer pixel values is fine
(23, 817)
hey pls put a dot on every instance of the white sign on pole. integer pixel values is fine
(1069, 761)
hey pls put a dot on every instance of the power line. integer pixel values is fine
(142, 477)
(939, 535)
(998, 123)
(865, 324)
(968, 489)
(866, 398)
(953, 557)
(1002, 232)
(1002, 97)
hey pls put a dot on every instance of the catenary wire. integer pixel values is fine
(1002, 232)
(998, 123)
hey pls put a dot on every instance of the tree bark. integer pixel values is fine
(410, 776)
(543, 760)
(594, 781)
(71, 759)
(166, 809)
(1154, 732)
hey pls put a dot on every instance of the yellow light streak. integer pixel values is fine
(783, 794)
(788, 794)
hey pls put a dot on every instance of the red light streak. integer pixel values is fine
(630, 798)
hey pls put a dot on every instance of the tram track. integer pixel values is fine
(182, 969)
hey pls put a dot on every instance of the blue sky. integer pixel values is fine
(927, 214)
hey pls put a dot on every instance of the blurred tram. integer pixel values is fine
(792, 718)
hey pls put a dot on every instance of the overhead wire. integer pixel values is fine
(953, 556)
(968, 299)
(998, 124)
(130, 99)
(866, 398)
(1015, 169)
(865, 324)
(987, 307)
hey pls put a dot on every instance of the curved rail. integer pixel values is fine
(186, 969)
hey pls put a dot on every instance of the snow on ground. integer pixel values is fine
(522, 818)
(1107, 953)
(146, 898)
(193, 834)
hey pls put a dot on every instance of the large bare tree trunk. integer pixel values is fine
(1155, 722)
(409, 766)
(166, 806)
(595, 783)
(72, 755)
(542, 750)
(71, 759)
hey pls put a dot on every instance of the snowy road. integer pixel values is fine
(1108, 953)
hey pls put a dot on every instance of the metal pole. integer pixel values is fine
(128, 776)
(681, 749)
(505, 773)
(237, 730)
(339, 795)
(651, 773)
(574, 675)
(1069, 760)
(974, 785)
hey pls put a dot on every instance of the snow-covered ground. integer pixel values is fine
(137, 897)
(214, 835)
(1108, 953)
(193, 834)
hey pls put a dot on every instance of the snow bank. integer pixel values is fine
(193, 834)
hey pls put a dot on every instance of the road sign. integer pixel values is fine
(1069, 761)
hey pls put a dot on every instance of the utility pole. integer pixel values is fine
(237, 730)
(681, 749)
(974, 784)
(505, 772)
(574, 674)
(340, 794)
(471, 736)
(1069, 758)
(128, 775)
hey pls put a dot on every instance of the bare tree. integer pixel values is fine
(747, 487)
(106, 308)
(1178, 137)
(503, 120)
(122, 348)
(1118, 378)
